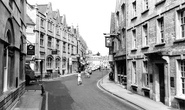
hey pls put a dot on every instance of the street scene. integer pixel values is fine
(92, 55)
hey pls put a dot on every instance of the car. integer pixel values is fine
(30, 74)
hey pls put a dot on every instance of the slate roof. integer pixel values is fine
(29, 20)
(43, 8)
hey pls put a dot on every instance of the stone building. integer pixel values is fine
(155, 49)
(12, 51)
(56, 43)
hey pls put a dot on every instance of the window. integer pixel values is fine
(50, 26)
(57, 30)
(57, 63)
(134, 74)
(49, 41)
(64, 47)
(133, 39)
(57, 44)
(117, 20)
(145, 5)
(41, 39)
(145, 73)
(183, 24)
(145, 35)
(160, 31)
(68, 48)
(72, 49)
(11, 3)
(42, 22)
(134, 9)
(182, 75)
(49, 62)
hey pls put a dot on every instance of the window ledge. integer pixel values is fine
(145, 88)
(160, 2)
(145, 47)
(134, 85)
(179, 40)
(159, 44)
(42, 46)
(133, 50)
(145, 11)
(182, 97)
(134, 18)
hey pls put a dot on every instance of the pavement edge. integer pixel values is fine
(98, 83)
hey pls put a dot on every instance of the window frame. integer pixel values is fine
(49, 62)
(41, 39)
(57, 44)
(49, 41)
(145, 35)
(160, 30)
(134, 73)
(180, 89)
(134, 9)
(134, 39)
(146, 73)
(145, 5)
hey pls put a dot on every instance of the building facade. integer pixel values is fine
(154, 49)
(56, 43)
(12, 52)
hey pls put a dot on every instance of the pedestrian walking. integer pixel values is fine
(59, 71)
(79, 79)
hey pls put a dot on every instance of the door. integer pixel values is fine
(161, 82)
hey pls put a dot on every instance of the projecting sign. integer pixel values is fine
(30, 49)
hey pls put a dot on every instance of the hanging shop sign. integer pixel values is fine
(30, 49)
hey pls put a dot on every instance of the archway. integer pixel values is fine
(8, 57)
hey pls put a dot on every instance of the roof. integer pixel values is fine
(29, 20)
(43, 8)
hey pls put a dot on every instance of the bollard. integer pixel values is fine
(42, 89)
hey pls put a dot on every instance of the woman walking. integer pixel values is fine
(79, 79)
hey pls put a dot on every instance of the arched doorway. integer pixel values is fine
(8, 57)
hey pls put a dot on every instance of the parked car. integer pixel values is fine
(30, 74)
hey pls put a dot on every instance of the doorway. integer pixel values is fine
(161, 82)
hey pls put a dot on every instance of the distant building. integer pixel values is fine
(12, 52)
(56, 43)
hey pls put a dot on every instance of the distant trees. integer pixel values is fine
(98, 54)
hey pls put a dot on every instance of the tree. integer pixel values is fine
(98, 54)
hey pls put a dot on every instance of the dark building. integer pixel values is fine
(12, 51)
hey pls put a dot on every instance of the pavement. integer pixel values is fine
(138, 100)
(32, 100)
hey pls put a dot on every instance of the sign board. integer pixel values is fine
(108, 41)
(30, 49)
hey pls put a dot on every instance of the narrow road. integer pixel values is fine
(65, 94)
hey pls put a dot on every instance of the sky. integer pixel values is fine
(92, 17)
